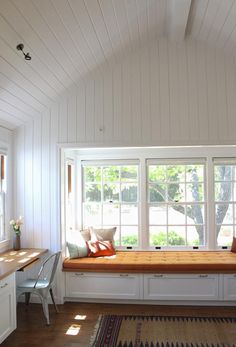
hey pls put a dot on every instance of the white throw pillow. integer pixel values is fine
(86, 234)
(103, 234)
(76, 245)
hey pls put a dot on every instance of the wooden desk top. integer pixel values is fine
(12, 261)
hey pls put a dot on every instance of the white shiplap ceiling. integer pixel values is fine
(68, 39)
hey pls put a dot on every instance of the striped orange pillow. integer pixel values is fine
(100, 248)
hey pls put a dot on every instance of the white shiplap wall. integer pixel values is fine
(163, 94)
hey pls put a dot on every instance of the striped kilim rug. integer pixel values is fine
(155, 331)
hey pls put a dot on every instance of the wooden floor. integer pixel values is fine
(32, 331)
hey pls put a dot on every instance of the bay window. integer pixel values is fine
(157, 198)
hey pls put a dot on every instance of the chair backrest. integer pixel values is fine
(53, 260)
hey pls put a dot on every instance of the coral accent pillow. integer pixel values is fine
(100, 248)
(233, 247)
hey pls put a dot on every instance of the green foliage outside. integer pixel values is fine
(174, 239)
(160, 239)
(110, 176)
(92, 174)
(130, 240)
(167, 184)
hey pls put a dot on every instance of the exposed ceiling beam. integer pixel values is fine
(178, 13)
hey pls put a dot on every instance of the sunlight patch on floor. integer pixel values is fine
(73, 329)
(80, 317)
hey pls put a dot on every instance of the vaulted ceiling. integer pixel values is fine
(68, 39)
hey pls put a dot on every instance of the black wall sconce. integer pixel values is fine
(20, 47)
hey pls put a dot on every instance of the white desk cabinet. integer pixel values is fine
(181, 287)
(7, 306)
(103, 285)
(230, 287)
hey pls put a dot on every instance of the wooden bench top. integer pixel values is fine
(161, 261)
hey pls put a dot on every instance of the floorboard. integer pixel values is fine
(32, 331)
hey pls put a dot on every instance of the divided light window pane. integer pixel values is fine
(110, 198)
(225, 202)
(176, 203)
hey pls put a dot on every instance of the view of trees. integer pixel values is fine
(176, 184)
(224, 174)
(179, 186)
(115, 188)
(174, 192)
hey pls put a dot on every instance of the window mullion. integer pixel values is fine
(210, 207)
(102, 195)
(167, 208)
(143, 205)
(79, 196)
(233, 201)
(185, 207)
(120, 203)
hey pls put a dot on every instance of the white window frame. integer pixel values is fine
(124, 162)
(210, 153)
(217, 162)
(172, 162)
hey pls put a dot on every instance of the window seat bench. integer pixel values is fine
(161, 277)
(156, 262)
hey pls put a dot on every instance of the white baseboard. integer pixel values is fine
(153, 302)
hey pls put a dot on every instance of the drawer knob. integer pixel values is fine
(124, 275)
(79, 274)
(203, 276)
(158, 276)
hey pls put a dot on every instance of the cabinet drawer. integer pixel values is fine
(181, 287)
(7, 282)
(103, 285)
(229, 287)
(8, 306)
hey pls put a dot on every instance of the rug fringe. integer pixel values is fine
(95, 330)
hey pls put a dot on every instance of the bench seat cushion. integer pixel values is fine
(148, 262)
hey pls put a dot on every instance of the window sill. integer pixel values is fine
(4, 245)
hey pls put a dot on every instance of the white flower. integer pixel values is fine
(17, 223)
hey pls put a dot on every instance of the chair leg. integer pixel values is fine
(52, 296)
(27, 298)
(45, 310)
